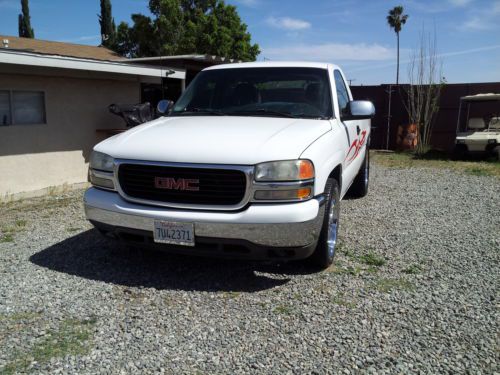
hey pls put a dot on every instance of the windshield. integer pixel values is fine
(277, 92)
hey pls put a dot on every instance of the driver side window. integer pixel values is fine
(342, 95)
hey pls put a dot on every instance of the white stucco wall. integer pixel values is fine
(35, 157)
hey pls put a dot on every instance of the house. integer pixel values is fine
(53, 108)
(171, 88)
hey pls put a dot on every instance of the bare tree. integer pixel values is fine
(424, 89)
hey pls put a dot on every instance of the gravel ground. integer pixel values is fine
(414, 290)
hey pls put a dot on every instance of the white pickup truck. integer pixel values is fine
(252, 162)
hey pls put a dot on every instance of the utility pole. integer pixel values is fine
(389, 117)
(351, 81)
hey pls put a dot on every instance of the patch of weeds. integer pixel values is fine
(335, 267)
(372, 269)
(73, 229)
(40, 204)
(231, 295)
(440, 161)
(282, 309)
(297, 296)
(353, 271)
(475, 171)
(7, 233)
(372, 259)
(338, 270)
(340, 300)
(6, 237)
(413, 269)
(339, 246)
(131, 295)
(387, 285)
(348, 253)
(72, 338)
(20, 223)
(19, 316)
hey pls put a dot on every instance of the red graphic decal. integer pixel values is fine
(356, 147)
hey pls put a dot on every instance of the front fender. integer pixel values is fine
(326, 153)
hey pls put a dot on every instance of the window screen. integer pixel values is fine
(28, 107)
(4, 108)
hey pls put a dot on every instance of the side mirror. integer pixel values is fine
(359, 110)
(164, 106)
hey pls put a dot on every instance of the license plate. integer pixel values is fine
(174, 233)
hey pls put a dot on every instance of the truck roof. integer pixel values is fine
(275, 64)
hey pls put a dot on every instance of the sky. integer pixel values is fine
(350, 33)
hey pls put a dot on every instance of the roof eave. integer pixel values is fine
(65, 62)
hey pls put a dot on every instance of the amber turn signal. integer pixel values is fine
(306, 170)
(303, 193)
(290, 195)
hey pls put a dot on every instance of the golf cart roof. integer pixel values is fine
(481, 97)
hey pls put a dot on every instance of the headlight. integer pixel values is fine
(101, 161)
(288, 170)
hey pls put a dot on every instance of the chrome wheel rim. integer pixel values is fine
(333, 218)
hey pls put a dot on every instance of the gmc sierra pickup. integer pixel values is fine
(252, 161)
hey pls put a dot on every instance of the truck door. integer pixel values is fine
(355, 129)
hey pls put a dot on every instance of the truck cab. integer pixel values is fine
(251, 162)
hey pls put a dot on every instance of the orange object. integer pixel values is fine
(303, 193)
(306, 170)
(407, 137)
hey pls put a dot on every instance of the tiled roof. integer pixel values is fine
(58, 48)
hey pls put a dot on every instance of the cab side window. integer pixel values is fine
(342, 95)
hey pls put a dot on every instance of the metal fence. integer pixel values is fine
(385, 129)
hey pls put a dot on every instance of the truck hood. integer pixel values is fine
(216, 139)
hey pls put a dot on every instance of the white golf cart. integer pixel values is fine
(480, 134)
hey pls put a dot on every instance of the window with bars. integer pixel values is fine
(22, 107)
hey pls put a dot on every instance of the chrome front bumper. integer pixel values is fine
(290, 225)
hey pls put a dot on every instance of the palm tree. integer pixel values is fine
(396, 19)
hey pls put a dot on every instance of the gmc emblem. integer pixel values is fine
(170, 183)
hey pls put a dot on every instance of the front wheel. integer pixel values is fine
(325, 249)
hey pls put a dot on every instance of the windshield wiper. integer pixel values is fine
(312, 117)
(262, 112)
(205, 111)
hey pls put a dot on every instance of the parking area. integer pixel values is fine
(414, 289)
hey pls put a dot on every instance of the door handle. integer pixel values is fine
(358, 130)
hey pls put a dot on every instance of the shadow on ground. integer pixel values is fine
(91, 256)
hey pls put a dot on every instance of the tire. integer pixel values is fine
(460, 152)
(359, 187)
(323, 255)
(496, 153)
